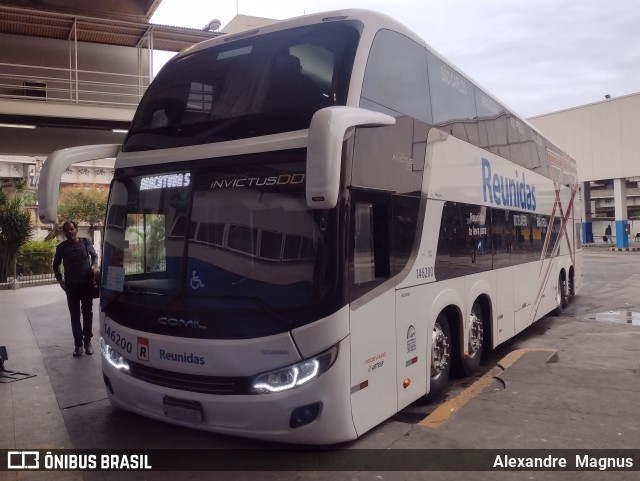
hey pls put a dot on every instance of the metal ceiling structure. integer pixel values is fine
(137, 10)
(76, 104)
(108, 31)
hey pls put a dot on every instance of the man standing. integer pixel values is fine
(607, 233)
(79, 259)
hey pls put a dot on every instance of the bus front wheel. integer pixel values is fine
(440, 358)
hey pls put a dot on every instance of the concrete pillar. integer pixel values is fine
(587, 226)
(620, 201)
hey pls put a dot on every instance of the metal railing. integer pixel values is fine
(30, 269)
(68, 85)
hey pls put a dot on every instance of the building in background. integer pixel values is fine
(603, 138)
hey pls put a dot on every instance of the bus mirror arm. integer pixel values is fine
(53, 168)
(324, 149)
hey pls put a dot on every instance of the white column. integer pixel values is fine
(620, 202)
(587, 226)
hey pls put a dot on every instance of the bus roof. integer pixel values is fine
(371, 20)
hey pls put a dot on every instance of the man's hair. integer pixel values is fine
(75, 226)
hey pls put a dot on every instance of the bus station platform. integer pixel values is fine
(567, 382)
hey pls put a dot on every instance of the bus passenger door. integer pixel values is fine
(385, 181)
(373, 355)
(372, 313)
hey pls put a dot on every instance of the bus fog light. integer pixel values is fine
(305, 415)
(295, 375)
(113, 358)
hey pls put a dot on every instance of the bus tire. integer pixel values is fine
(571, 291)
(561, 296)
(471, 361)
(440, 358)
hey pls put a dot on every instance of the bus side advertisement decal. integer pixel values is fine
(501, 190)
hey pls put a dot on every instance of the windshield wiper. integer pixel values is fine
(267, 308)
(264, 306)
(134, 291)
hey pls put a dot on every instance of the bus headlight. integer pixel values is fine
(113, 358)
(295, 375)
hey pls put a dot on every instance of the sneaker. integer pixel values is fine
(77, 351)
(87, 348)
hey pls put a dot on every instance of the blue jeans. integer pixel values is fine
(79, 299)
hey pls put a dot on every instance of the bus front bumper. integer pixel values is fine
(325, 401)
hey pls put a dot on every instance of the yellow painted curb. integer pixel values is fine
(509, 360)
(446, 409)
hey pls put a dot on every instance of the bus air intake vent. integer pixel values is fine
(220, 385)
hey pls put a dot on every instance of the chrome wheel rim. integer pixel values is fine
(440, 352)
(476, 334)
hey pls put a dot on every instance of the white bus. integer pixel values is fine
(312, 224)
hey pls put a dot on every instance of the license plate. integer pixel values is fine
(182, 409)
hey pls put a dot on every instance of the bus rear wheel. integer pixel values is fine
(471, 360)
(561, 296)
(440, 358)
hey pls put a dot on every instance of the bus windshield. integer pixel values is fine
(261, 85)
(225, 252)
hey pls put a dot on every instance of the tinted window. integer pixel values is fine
(518, 237)
(371, 253)
(475, 238)
(210, 233)
(233, 247)
(452, 101)
(243, 239)
(260, 85)
(396, 76)
(390, 158)
(271, 245)
(465, 111)
(405, 211)
(492, 124)
(464, 243)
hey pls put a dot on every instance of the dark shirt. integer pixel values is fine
(75, 260)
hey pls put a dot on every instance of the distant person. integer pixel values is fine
(79, 259)
(607, 234)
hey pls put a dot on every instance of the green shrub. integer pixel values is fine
(36, 257)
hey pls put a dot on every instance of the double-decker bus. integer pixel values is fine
(312, 224)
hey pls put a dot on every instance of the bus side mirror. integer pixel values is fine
(324, 150)
(53, 168)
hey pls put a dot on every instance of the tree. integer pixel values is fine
(83, 205)
(15, 229)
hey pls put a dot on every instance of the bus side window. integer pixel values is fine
(396, 78)
(465, 242)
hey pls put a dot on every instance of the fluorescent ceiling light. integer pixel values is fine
(119, 131)
(18, 126)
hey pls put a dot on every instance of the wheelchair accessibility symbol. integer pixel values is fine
(195, 282)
